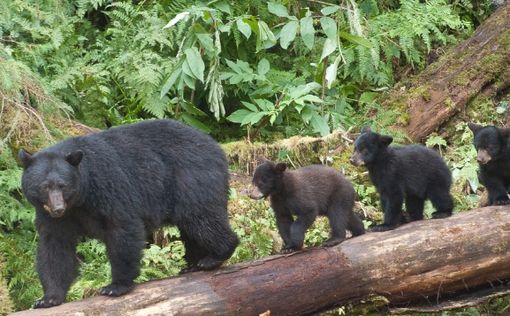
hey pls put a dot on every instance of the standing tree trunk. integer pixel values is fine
(424, 260)
(479, 65)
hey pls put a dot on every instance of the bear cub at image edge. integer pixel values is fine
(118, 186)
(493, 156)
(411, 173)
(307, 192)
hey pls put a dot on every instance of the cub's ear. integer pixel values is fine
(474, 127)
(366, 129)
(280, 167)
(25, 158)
(385, 140)
(74, 158)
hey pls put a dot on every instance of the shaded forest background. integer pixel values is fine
(292, 80)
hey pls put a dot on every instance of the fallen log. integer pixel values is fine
(421, 261)
(476, 67)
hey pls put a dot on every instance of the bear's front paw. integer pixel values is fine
(209, 263)
(383, 228)
(290, 249)
(189, 269)
(333, 241)
(437, 215)
(115, 289)
(502, 202)
(46, 302)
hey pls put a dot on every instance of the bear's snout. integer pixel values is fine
(356, 159)
(56, 205)
(255, 193)
(482, 156)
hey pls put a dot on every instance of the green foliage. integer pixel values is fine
(13, 210)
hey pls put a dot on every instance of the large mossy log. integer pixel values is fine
(478, 66)
(426, 260)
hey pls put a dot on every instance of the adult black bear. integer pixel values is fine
(412, 173)
(118, 186)
(493, 156)
(306, 193)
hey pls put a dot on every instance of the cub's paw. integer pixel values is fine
(46, 302)
(382, 228)
(189, 269)
(208, 263)
(290, 249)
(441, 215)
(115, 289)
(502, 202)
(332, 242)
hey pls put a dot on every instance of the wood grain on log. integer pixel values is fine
(423, 260)
(479, 65)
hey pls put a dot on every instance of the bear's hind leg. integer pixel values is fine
(414, 207)
(442, 202)
(338, 219)
(214, 239)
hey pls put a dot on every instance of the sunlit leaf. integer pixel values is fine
(307, 31)
(288, 33)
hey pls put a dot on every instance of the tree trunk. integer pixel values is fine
(479, 66)
(421, 261)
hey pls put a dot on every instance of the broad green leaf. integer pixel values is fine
(195, 123)
(307, 31)
(188, 80)
(192, 109)
(223, 6)
(195, 63)
(170, 82)
(306, 114)
(331, 72)
(329, 27)
(250, 106)
(263, 66)
(238, 116)
(206, 41)
(368, 97)
(266, 38)
(264, 104)
(329, 10)
(311, 98)
(355, 39)
(253, 118)
(288, 33)
(277, 9)
(319, 124)
(244, 28)
(328, 48)
(177, 18)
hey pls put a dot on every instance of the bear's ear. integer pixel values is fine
(385, 140)
(74, 158)
(280, 167)
(474, 127)
(366, 129)
(25, 158)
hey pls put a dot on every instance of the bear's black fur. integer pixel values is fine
(493, 156)
(412, 173)
(307, 192)
(118, 186)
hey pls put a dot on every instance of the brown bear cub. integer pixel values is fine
(305, 193)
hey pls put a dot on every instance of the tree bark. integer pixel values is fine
(478, 66)
(422, 261)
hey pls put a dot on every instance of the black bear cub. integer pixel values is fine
(307, 192)
(118, 186)
(412, 173)
(493, 156)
